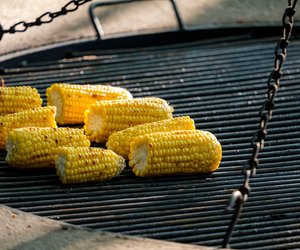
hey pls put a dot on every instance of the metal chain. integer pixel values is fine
(44, 18)
(240, 196)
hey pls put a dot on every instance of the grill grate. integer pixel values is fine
(220, 85)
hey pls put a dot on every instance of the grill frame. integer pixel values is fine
(232, 165)
(70, 49)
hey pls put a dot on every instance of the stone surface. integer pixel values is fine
(20, 230)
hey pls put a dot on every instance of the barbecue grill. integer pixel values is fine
(216, 77)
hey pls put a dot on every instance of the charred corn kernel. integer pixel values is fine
(34, 147)
(175, 152)
(72, 100)
(107, 117)
(37, 117)
(15, 99)
(119, 141)
(83, 164)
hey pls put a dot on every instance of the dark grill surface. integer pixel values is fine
(222, 86)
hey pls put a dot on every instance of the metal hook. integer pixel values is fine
(236, 201)
(242, 193)
(1, 32)
(97, 25)
(235, 196)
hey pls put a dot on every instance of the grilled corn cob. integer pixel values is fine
(119, 141)
(107, 117)
(34, 147)
(75, 165)
(72, 100)
(176, 152)
(37, 117)
(15, 99)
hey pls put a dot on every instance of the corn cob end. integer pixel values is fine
(119, 141)
(176, 152)
(35, 147)
(16, 99)
(94, 126)
(36, 117)
(79, 165)
(72, 99)
(54, 97)
(106, 117)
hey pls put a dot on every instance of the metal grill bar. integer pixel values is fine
(220, 87)
(197, 64)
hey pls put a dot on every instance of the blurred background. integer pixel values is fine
(140, 15)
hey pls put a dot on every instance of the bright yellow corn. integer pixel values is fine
(120, 141)
(72, 100)
(78, 165)
(37, 117)
(15, 99)
(107, 117)
(33, 147)
(176, 152)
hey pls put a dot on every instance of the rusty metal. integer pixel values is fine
(240, 196)
(47, 17)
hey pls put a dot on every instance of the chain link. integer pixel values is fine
(44, 18)
(240, 196)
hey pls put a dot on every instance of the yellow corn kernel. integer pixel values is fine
(175, 152)
(82, 164)
(72, 100)
(107, 117)
(37, 117)
(15, 99)
(120, 141)
(34, 147)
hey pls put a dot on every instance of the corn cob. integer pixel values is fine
(119, 141)
(107, 117)
(37, 117)
(77, 165)
(34, 147)
(72, 100)
(176, 152)
(15, 99)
